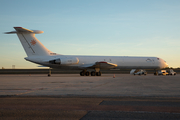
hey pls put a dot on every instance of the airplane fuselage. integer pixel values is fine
(123, 62)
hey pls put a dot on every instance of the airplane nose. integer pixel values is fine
(163, 64)
(166, 65)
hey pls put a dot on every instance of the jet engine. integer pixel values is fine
(65, 61)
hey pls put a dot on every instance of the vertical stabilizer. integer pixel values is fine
(30, 43)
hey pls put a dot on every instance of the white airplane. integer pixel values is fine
(39, 54)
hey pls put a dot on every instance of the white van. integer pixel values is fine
(171, 72)
(138, 72)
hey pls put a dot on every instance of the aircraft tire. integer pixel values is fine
(82, 73)
(98, 73)
(93, 73)
(49, 75)
(87, 73)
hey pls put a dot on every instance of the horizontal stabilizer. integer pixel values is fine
(24, 30)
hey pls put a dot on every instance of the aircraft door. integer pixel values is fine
(153, 61)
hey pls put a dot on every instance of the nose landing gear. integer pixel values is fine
(155, 73)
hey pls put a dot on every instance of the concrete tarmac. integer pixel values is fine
(105, 85)
(69, 96)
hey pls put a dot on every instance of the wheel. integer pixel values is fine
(93, 73)
(139, 74)
(87, 73)
(98, 73)
(134, 74)
(49, 75)
(82, 73)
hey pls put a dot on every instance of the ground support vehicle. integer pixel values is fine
(171, 72)
(138, 72)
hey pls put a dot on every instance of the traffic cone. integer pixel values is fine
(114, 76)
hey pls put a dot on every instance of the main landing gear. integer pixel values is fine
(93, 73)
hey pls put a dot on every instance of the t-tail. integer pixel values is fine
(30, 43)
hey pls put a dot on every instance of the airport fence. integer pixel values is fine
(57, 71)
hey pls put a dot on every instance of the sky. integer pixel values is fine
(93, 27)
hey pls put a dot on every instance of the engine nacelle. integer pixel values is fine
(65, 61)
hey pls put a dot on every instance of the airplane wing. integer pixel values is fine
(101, 65)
